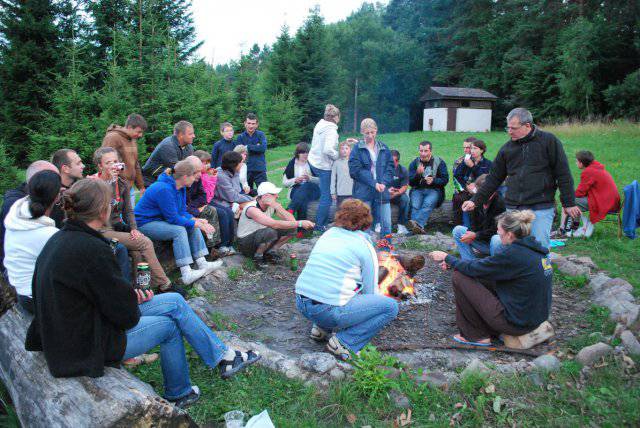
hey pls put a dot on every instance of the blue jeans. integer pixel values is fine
(132, 196)
(381, 212)
(357, 322)
(301, 195)
(541, 226)
(423, 201)
(466, 250)
(402, 202)
(164, 320)
(322, 216)
(122, 257)
(188, 244)
(226, 223)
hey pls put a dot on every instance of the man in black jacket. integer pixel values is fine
(482, 235)
(170, 151)
(534, 165)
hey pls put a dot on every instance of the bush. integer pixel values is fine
(9, 177)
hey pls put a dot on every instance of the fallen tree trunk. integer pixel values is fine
(117, 399)
(443, 214)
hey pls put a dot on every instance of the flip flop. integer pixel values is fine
(468, 342)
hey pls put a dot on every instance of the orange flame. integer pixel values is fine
(397, 283)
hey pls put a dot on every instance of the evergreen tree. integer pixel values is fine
(9, 176)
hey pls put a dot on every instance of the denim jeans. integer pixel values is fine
(466, 250)
(381, 212)
(402, 202)
(164, 320)
(423, 201)
(357, 322)
(122, 257)
(226, 223)
(322, 215)
(541, 226)
(301, 195)
(188, 244)
(132, 196)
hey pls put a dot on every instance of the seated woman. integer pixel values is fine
(123, 225)
(464, 176)
(522, 275)
(28, 228)
(229, 190)
(77, 287)
(162, 215)
(338, 288)
(302, 184)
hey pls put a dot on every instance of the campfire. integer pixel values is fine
(395, 273)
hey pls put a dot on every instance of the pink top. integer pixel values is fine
(209, 183)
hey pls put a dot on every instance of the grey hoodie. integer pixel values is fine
(324, 145)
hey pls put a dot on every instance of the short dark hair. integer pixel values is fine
(481, 145)
(395, 154)
(427, 143)
(251, 116)
(230, 161)
(134, 120)
(61, 157)
(301, 148)
(585, 157)
(470, 139)
(44, 188)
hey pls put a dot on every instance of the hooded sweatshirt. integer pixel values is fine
(120, 139)
(163, 202)
(324, 145)
(24, 239)
(600, 189)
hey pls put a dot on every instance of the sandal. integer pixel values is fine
(318, 334)
(464, 341)
(241, 361)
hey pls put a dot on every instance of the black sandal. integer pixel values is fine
(228, 368)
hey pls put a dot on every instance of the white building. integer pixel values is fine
(457, 109)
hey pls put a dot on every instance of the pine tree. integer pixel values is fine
(9, 176)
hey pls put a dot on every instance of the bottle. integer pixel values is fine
(114, 244)
(457, 186)
(293, 261)
(143, 276)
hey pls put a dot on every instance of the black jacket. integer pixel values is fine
(534, 167)
(10, 198)
(83, 304)
(483, 222)
(440, 176)
(523, 276)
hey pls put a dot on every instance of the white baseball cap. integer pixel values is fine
(267, 188)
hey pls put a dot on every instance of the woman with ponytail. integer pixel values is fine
(519, 277)
(161, 214)
(88, 316)
(28, 228)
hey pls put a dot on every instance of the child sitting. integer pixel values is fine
(341, 181)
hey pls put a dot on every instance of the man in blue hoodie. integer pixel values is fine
(256, 143)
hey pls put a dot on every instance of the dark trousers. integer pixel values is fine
(27, 303)
(301, 195)
(479, 313)
(456, 204)
(226, 222)
(256, 177)
(340, 199)
(122, 257)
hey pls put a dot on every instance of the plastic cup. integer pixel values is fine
(234, 419)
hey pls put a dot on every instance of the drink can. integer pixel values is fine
(293, 261)
(143, 276)
(114, 244)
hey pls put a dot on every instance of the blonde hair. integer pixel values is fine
(87, 199)
(331, 112)
(182, 169)
(517, 222)
(240, 148)
(368, 123)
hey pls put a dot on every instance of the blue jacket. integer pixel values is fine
(163, 202)
(440, 179)
(466, 175)
(364, 185)
(221, 147)
(631, 211)
(256, 146)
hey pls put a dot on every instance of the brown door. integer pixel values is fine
(451, 118)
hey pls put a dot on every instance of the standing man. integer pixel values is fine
(256, 143)
(398, 192)
(427, 176)
(125, 141)
(534, 164)
(170, 151)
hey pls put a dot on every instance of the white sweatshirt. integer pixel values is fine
(23, 241)
(324, 145)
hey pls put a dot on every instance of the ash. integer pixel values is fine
(424, 294)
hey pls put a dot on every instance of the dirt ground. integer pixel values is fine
(260, 305)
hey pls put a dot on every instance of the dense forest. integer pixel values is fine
(69, 68)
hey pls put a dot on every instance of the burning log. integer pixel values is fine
(393, 279)
(412, 264)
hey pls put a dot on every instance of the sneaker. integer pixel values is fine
(193, 275)
(415, 228)
(318, 334)
(402, 230)
(210, 266)
(188, 399)
(338, 349)
(588, 229)
(377, 228)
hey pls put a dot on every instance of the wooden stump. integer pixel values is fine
(117, 399)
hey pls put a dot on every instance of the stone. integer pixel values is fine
(475, 366)
(547, 363)
(630, 343)
(436, 379)
(618, 284)
(236, 260)
(598, 281)
(573, 269)
(392, 372)
(622, 311)
(554, 257)
(590, 354)
(585, 260)
(619, 329)
(337, 374)
(202, 308)
(399, 399)
(318, 362)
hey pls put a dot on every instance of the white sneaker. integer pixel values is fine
(193, 275)
(402, 230)
(378, 228)
(588, 227)
(209, 267)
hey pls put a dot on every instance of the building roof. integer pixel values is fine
(441, 92)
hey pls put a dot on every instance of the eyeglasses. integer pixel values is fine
(513, 128)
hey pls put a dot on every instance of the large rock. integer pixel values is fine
(436, 379)
(573, 269)
(475, 366)
(547, 363)
(590, 354)
(438, 241)
(318, 362)
(630, 343)
(598, 281)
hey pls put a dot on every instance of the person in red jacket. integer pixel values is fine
(597, 193)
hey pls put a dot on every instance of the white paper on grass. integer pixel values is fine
(261, 420)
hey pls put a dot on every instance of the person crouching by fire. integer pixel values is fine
(338, 288)
(521, 298)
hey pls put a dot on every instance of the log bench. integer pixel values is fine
(117, 399)
(443, 214)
